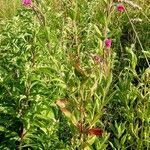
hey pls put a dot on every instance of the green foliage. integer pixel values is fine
(60, 85)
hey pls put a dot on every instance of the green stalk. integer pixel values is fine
(137, 37)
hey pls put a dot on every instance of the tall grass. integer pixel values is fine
(8, 8)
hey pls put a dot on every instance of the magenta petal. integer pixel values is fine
(121, 8)
(108, 43)
(26, 2)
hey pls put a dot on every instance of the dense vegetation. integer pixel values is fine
(74, 75)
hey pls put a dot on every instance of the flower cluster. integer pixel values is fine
(108, 42)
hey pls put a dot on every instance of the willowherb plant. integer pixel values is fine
(69, 81)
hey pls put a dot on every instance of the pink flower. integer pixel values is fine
(108, 43)
(26, 2)
(120, 8)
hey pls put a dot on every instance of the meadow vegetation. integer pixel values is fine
(74, 75)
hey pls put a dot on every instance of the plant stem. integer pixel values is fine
(137, 38)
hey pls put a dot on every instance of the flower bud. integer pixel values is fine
(26, 2)
(108, 43)
(120, 8)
